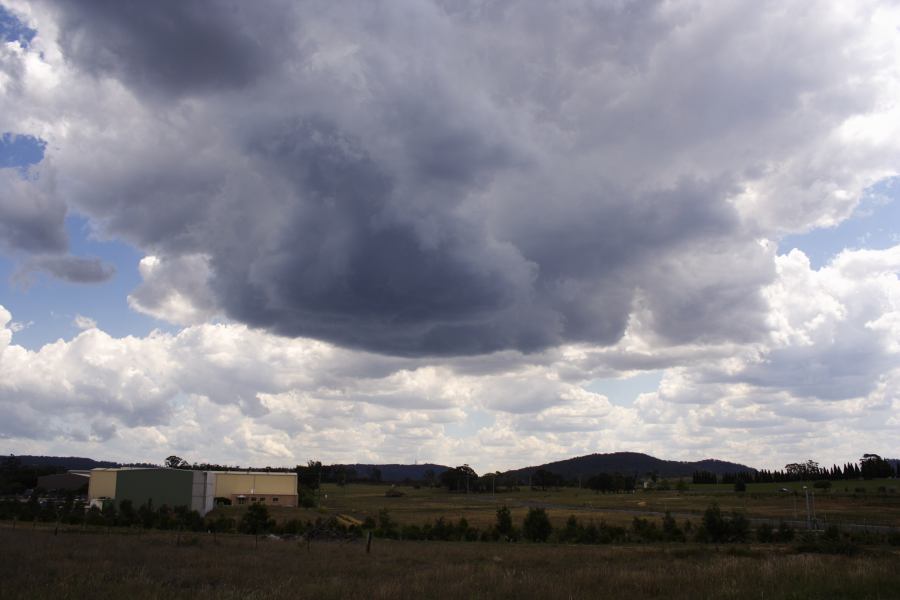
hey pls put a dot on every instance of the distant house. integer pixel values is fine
(197, 490)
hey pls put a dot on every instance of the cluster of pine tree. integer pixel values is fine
(870, 466)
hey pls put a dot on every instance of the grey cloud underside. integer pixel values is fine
(181, 47)
(417, 179)
(30, 219)
(74, 269)
(349, 262)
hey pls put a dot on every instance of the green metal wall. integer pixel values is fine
(163, 486)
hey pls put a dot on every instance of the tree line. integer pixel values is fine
(16, 478)
(870, 466)
(464, 479)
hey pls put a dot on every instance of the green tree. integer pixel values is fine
(94, 516)
(310, 476)
(714, 528)
(387, 527)
(176, 462)
(256, 520)
(221, 524)
(127, 514)
(147, 517)
(543, 479)
(504, 522)
(765, 533)
(536, 527)
(872, 465)
(429, 477)
(109, 513)
(738, 527)
(785, 532)
(671, 531)
(718, 528)
(459, 479)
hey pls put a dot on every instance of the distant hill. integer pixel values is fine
(64, 462)
(395, 473)
(629, 463)
(626, 463)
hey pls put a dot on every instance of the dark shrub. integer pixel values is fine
(536, 527)
(765, 533)
(785, 532)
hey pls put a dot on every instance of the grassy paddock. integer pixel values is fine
(93, 565)
(417, 506)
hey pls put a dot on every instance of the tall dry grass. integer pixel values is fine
(36, 564)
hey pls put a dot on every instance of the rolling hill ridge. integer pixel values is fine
(629, 463)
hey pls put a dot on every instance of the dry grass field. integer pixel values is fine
(416, 506)
(94, 565)
(86, 562)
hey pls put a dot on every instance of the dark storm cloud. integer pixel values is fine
(345, 264)
(31, 218)
(414, 178)
(353, 260)
(69, 268)
(32, 232)
(169, 46)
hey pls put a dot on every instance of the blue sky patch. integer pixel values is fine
(14, 30)
(46, 310)
(875, 224)
(624, 391)
(20, 150)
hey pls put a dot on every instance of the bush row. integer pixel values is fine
(714, 527)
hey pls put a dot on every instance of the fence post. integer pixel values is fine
(369, 543)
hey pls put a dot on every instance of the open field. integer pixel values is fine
(870, 486)
(763, 501)
(75, 564)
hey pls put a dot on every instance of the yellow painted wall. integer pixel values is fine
(102, 484)
(229, 484)
(276, 484)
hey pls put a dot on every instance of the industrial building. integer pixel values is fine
(275, 489)
(73, 481)
(198, 490)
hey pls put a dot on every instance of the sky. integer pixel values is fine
(483, 232)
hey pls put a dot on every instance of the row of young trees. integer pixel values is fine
(715, 527)
(72, 511)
